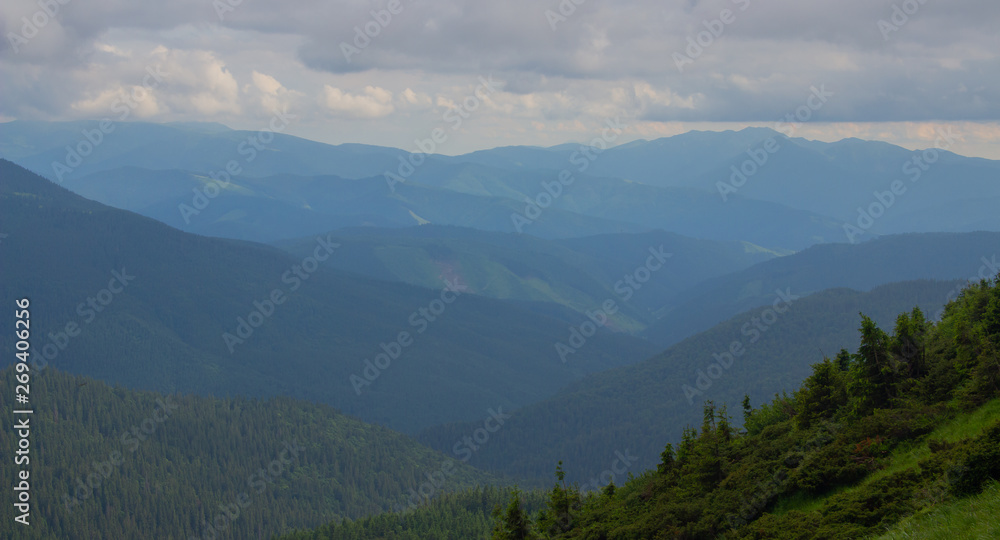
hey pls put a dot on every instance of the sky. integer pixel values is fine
(516, 72)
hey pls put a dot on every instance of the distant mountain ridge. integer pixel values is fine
(792, 194)
(942, 256)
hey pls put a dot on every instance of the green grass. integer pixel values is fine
(904, 457)
(962, 427)
(804, 502)
(972, 517)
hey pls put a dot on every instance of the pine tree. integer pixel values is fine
(514, 524)
(907, 344)
(874, 376)
(563, 502)
(821, 394)
(666, 460)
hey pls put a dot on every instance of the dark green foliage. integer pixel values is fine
(198, 461)
(875, 374)
(844, 360)
(514, 523)
(563, 503)
(465, 515)
(981, 463)
(667, 460)
(779, 409)
(822, 394)
(908, 345)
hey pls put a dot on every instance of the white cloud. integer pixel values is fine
(197, 82)
(410, 99)
(267, 84)
(266, 95)
(372, 102)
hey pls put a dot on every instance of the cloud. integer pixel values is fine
(415, 100)
(267, 95)
(939, 63)
(197, 83)
(373, 102)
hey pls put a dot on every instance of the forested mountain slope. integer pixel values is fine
(115, 463)
(126, 299)
(862, 266)
(641, 272)
(636, 408)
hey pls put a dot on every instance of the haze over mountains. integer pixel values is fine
(167, 331)
(573, 321)
(799, 193)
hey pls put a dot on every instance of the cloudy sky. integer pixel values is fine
(354, 71)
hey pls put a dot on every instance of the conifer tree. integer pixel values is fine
(874, 374)
(514, 524)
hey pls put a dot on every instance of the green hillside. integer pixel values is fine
(579, 273)
(974, 517)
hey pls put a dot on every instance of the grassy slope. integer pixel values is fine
(906, 456)
(974, 517)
